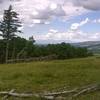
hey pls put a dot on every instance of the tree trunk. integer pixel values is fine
(13, 51)
(7, 51)
(22, 51)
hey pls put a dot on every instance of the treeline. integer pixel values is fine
(62, 51)
(14, 47)
(20, 48)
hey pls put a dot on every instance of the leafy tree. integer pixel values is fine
(31, 39)
(61, 51)
(9, 26)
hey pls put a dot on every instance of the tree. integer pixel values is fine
(9, 26)
(32, 39)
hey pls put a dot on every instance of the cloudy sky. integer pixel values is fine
(53, 21)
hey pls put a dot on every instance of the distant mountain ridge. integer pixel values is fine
(93, 46)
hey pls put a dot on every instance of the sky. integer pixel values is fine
(55, 21)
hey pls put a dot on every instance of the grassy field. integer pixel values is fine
(51, 75)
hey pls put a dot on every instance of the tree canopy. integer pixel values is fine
(8, 27)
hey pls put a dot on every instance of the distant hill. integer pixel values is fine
(91, 45)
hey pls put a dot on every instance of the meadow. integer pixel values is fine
(41, 76)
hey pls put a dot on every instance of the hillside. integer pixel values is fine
(91, 45)
(52, 75)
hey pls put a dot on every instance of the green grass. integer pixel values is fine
(51, 75)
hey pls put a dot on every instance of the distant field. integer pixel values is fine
(51, 75)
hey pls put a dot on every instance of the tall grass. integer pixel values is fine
(51, 75)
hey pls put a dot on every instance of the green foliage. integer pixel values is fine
(20, 48)
(8, 27)
(2, 51)
(62, 51)
(10, 24)
(16, 45)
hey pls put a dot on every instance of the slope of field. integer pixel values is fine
(51, 75)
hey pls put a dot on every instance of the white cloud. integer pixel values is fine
(53, 6)
(21, 28)
(36, 21)
(1, 17)
(38, 9)
(76, 26)
(43, 10)
(68, 36)
(53, 31)
(88, 4)
(47, 22)
(47, 9)
(84, 22)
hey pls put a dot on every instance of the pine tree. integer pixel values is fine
(9, 26)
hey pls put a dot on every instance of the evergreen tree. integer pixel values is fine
(9, 26)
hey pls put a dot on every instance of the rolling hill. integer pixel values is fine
(93, 46)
